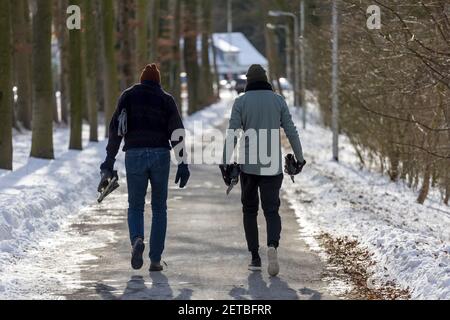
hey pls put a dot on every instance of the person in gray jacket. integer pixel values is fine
(258, 115)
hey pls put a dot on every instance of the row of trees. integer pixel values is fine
(394, 87)
(92, 65)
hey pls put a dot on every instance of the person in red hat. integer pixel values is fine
(146, 118)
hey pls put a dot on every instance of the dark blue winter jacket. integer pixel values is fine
(152, 117)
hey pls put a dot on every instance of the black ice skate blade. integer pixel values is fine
(113, 185)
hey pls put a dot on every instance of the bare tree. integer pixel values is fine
(206, 85)
(91, 51)
(6, 101)
(191, 54)
(62, 35)
(155, 17)
(127, 65)
(393, 88)
(142, 36)
(43, 93)
(111, 80)
(75, 79)
(175, 81)
(21, 24)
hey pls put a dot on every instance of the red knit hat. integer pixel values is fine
(151, 73)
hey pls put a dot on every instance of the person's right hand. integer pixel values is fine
(106, 175)
(300, 166)
(183, 175)
(224, 169)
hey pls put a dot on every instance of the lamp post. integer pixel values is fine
(230, 36)
(273, 13)
(288, 47)
(302, 62)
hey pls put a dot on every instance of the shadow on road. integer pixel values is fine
(258, 289)
(137, 289)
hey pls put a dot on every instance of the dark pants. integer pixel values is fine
(144, 165)
(269, 189)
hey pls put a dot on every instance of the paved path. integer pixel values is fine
(205, 251)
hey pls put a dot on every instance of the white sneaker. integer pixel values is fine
(274, 267)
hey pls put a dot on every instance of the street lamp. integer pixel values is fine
(288, 47)
(274, 13)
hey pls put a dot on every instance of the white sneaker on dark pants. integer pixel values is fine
(274, 266)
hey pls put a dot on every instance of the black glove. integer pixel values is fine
(301, 166)
(183, 175)
(230, 172)
(293, 167)
(224, 169)
(106, 175)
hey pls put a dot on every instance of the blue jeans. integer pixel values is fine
(144, 165)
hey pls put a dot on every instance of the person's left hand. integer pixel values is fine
(106, 175)
(183, 175)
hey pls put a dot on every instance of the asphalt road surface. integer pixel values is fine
(206, 254)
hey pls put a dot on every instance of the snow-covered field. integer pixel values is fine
(410, 242)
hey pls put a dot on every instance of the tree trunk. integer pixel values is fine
(83, 67)
(446, 109)
(270, 53)
(207, 89)
(190, 53)
(126, 62)
(100, 66)
(91, 51)
(22, 50)
(155, 14)
(142, 35)
(6, 99)
(447, 188)
(60, 15)
(175, 81)
(216, 69)
(111, 84)
(164, 56)
(76, 108)
(43, 94)
(394, 160)
(426, 184)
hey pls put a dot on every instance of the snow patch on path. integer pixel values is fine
(410, 242)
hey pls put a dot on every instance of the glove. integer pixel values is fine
(230, 172)
(224, 169)
(183, 175)
(293, 167)
(301, 166)
(106, 175)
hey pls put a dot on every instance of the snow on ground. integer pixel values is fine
(40, 198)
(410, 242)
(37, 197)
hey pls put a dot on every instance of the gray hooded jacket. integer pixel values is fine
(259, 114)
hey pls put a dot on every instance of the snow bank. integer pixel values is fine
(38, 196)
(410, 242)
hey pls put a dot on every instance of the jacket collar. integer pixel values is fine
(151, 83)
(259, 85)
